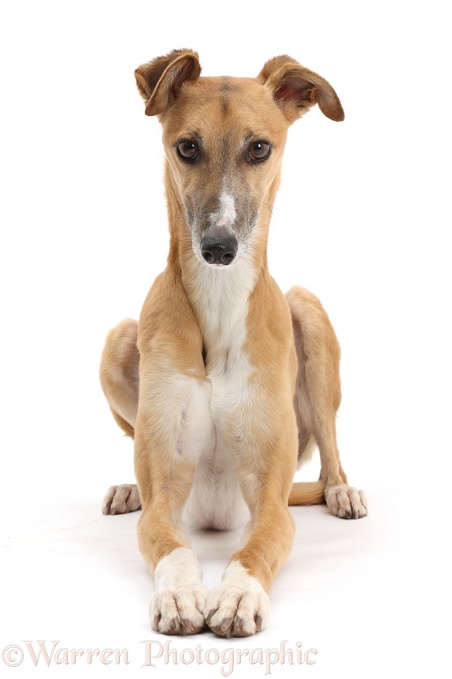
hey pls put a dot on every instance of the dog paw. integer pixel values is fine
(178, 611)
(235, 613)
(121, 499)
(346, 502)
(239, 607)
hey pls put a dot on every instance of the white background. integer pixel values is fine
(362, 219)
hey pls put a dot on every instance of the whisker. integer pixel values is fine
(279, 209)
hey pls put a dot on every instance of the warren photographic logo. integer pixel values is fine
(154, 654)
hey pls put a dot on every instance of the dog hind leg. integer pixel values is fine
(318, 397)
(119, 379)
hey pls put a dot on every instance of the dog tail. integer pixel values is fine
(307, 493)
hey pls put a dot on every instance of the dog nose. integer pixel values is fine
(219, 250)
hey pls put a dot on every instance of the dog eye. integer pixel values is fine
(259, 151)
(187, 150)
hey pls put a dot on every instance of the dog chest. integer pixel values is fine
(210, 434)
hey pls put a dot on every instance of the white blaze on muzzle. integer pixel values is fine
(226, 215)
(219, 242)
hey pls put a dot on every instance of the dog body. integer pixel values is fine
(225, 383)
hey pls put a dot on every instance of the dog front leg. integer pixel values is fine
(168, 441)
(240, 606)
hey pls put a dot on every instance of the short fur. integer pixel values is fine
(224, 383)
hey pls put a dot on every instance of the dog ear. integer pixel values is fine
(159, 81)
(296, 89)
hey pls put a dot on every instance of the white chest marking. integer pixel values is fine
(222, 303)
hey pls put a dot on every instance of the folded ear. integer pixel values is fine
(296, 89)
(159, 81)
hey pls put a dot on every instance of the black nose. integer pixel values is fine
(219, 250)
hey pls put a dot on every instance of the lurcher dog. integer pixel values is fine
(225, 384)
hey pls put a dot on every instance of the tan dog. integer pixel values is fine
(224, 383)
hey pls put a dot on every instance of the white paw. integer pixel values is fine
(346, 502)
(178, 611)
(121, 499)
(239, 607)
(178, 603)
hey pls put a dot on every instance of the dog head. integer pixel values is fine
(224, 139)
